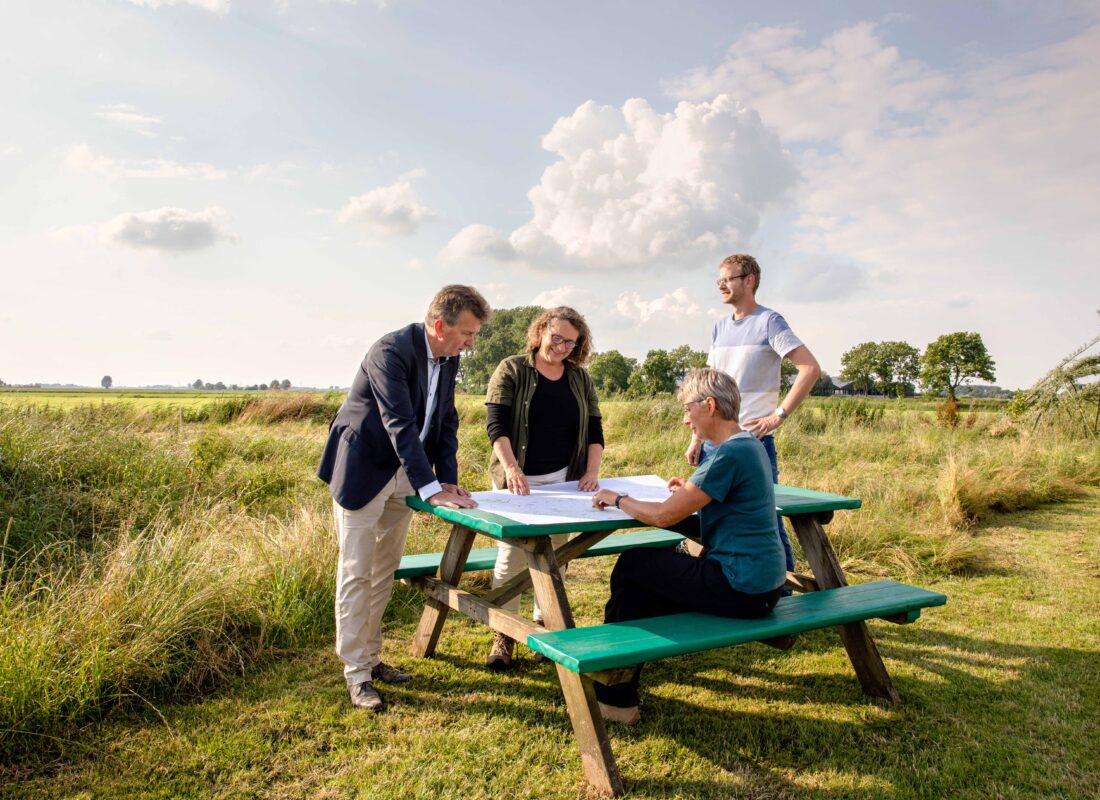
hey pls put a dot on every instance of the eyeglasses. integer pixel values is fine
(724, 281)
(690, 403)
(557, 340)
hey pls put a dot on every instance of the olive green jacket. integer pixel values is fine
(513, 384)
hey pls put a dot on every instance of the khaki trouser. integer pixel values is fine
(511, 559)
(372, 539)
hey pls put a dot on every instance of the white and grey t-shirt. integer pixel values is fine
(750, 350)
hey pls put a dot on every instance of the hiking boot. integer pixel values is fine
(365, 696)
(500, 655)
(387, 674)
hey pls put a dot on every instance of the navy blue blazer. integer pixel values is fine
(377, 429)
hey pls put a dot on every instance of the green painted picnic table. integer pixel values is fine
(807, 510)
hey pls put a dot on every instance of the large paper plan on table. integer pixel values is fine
(561, 502)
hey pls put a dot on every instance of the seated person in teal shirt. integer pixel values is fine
(742, 571)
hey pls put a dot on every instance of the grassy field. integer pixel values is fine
(165, 620)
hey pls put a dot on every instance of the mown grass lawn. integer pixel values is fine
(1000, 698)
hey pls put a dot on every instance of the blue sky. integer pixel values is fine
(242, 190)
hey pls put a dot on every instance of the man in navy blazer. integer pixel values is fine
(395, 435)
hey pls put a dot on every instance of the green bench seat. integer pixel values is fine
(624, 644)
(484, 558)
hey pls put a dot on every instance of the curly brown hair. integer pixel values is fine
(580, 354)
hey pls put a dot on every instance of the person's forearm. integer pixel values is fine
(595, 457)
(646, 511)
(503, 449)
(807, 377)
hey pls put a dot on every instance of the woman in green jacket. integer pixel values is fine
(544, 426)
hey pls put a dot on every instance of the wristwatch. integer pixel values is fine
(619, 499)
(781, 413)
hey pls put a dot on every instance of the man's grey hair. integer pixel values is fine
(450, 301)
(706, 382)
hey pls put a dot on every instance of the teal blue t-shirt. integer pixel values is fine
(738, 526)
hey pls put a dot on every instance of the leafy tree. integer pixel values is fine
(284, 384)
(274, 384)
(859, 366)
(824, 387)
(898, 364)
(503, 335)
(197, 384)
(219, 386)
(658, 373)
(685, 359)
(953, 359)
(611, 371)
(106, 382)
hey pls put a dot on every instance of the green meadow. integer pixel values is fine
(166, 622)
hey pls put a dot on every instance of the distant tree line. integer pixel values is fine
(275, 385)
(891, 368)
(505, 334)
(887, 368)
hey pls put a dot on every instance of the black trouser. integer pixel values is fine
(652, 583)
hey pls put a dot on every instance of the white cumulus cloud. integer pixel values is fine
(635, 187)
(81, 159)
(219, 7)
(124, 115)
(387, 211)
(572, 296)
(674, 306)
(849, 83)
(161, 230)
(478, 240)
(922, 170)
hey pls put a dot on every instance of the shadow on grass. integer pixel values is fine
(978, 717)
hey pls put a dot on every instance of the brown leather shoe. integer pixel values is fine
(387, 674)
(500, 655)
(365, 696)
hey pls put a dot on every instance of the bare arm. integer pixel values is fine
(590, 481)
(808, 373)
(517, 481)
(686, 499)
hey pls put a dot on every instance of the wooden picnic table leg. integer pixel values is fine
(450, 571)
(857, 640)
(580, 695)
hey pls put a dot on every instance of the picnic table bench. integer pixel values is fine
(606, 653)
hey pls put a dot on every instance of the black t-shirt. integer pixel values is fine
(553, 423)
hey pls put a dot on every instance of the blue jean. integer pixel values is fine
(769, 448)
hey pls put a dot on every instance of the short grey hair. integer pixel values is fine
(450, 301)
(706, 382)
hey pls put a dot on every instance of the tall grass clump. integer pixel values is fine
(64, 476)
(990, 478)
(169, 608)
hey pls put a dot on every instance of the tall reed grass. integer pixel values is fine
(145, 554)
(171, 607)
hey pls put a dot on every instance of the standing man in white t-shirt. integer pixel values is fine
(749, 346)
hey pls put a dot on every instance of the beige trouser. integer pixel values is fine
(372, 539)
(511, 559)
